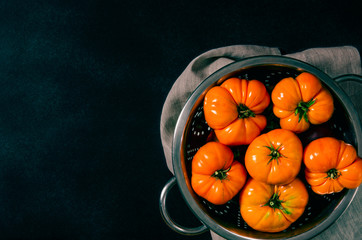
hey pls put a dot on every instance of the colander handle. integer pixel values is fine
(174, 226)
(349, 78)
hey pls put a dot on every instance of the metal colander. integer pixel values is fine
(192, 132)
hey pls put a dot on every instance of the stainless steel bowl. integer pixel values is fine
(191, 132)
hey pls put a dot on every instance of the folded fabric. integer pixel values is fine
(334, 61)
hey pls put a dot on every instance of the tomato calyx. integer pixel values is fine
(274, 153)
(303, 108)
(244, 111)
(276, 203)
(221, 174)
(333, 173)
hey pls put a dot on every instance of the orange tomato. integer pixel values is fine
(274, 157)
(234, 109)
(215, 175)
(271, 208)
(332, 165)
(301, 101)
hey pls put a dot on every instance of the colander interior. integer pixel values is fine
(197, 133)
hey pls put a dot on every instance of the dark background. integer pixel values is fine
(82, 89)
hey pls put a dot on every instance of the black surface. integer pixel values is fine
(82, 89)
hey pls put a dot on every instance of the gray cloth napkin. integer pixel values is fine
(334, 61)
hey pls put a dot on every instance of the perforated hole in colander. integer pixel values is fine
(199, 133)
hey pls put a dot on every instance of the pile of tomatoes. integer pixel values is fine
(272, 196)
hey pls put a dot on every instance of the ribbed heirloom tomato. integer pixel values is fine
(234, 109)
(332, 165)
(215, 175)
(301, 101)
(274, 157)
(271, 208)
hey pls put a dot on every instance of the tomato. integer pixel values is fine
(301, 101)
(274, 157)
(215, 175)
(272, 208)
(234, 109)
(332, 165)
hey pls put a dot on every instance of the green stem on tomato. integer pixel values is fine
(244, 111)
(333, 173)
(303, 108)
(221, 174)
(274, 153)
(276, 203)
